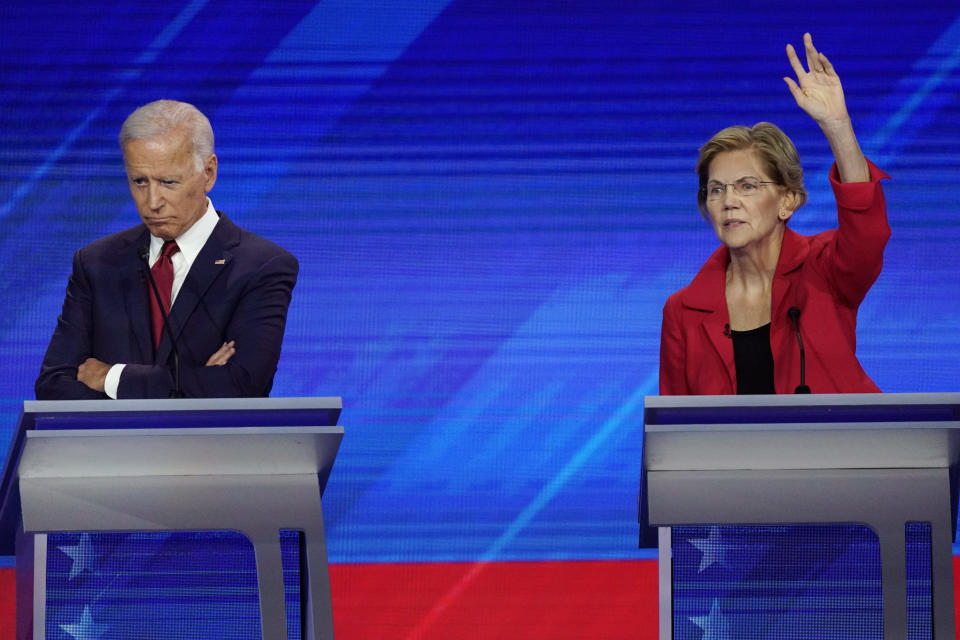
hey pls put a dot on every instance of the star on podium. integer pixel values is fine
(83, 555)
(715, 625)
(712, 548)
(86, 628)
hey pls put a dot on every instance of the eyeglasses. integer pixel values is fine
(744, 187)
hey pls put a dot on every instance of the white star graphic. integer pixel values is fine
(86, 629)
(715, 626)
(83, 555)
(712, 548)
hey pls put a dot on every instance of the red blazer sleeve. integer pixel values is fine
(853, 259)
(673, 379)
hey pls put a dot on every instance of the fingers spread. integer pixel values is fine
(795, 61)
(792, 85)
(811, 51)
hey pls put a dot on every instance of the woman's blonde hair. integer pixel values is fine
(774, 147)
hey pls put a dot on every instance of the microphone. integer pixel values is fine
(794, 314)
(144, 253)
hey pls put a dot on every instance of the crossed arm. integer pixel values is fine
(245, 314)
(93, 372)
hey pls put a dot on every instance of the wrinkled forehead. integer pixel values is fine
(169, 152)
(730, 166)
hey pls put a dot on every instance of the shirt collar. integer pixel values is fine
(192, 240)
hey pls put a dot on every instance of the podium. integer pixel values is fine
(880, 460)
(252, 465)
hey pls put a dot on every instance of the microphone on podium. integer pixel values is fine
(794, 313)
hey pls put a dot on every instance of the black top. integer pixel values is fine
(753, 360)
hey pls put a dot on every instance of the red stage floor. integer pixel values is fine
(602, 600)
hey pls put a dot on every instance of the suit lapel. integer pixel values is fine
(212, 261)
(134, 285)
(793, 253)
(706, 293)
(717, 327)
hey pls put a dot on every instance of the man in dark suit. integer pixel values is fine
(225, 289)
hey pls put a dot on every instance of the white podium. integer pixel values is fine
(880, 460)
(254, 466)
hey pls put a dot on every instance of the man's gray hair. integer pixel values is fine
(160, 117)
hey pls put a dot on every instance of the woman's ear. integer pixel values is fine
(788, 204)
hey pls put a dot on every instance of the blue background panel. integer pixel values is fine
(490, 202)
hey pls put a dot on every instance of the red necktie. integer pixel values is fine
(163, 274)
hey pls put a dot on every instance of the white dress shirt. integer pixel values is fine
(190, 243)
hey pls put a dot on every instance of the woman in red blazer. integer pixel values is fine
(730, 330)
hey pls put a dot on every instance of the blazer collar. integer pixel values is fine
(793, 252)
(707, 290)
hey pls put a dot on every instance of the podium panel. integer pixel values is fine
(878, 460)
(254, 466)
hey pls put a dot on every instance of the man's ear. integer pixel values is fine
(210, 172)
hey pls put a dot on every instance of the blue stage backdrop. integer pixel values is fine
(490, 202)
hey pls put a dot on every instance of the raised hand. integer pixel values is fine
(817, 91)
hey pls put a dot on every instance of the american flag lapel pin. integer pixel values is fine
(220, 261)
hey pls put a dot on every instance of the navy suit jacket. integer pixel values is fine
(238, 288)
